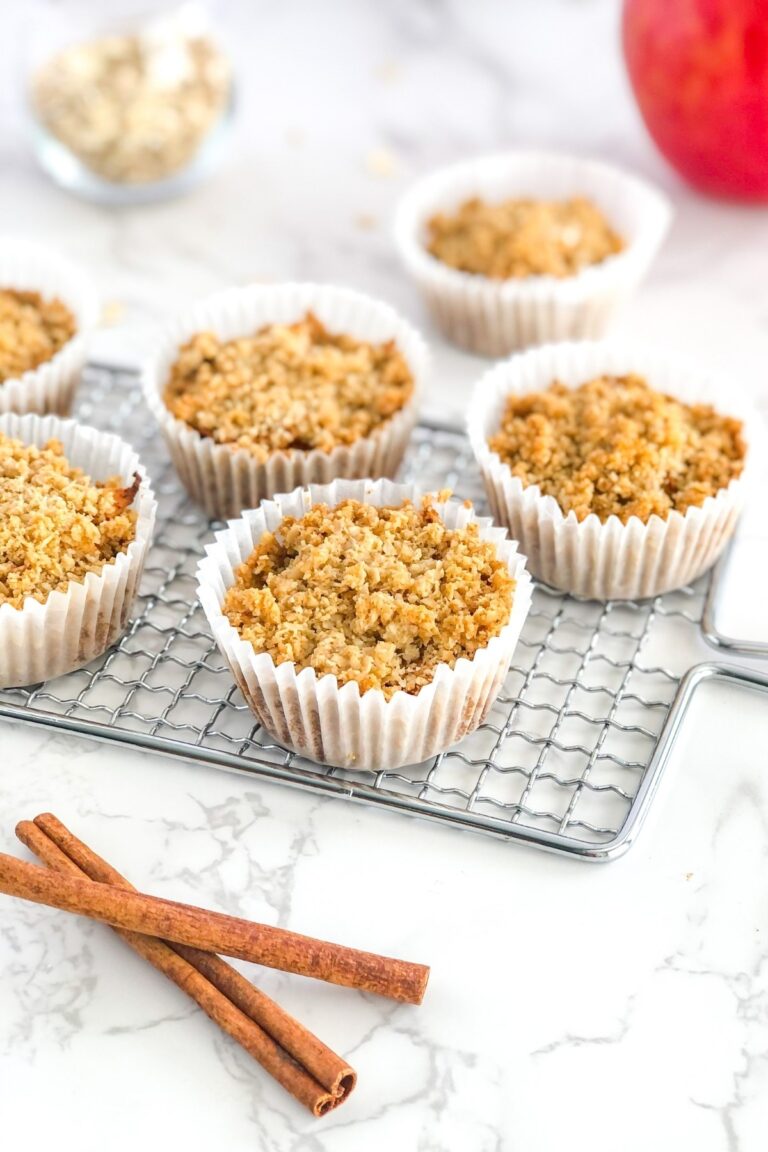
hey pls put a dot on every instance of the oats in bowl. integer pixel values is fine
(136, 108)
(57, 523)
(32, 330)
(517, 238)
(614, 446)
(377, 595)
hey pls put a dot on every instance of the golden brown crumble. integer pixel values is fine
(377, 595)
(289, 386)
(518, 238)
(32, 330)
(615, 447)
(56, 524)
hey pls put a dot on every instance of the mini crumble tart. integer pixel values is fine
(380, 596)
(519, 238)
(57, 524)
(32, 330)
(615, 447)
(287, 387)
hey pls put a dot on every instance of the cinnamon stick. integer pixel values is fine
(319, 1060)
(309, 1070)
(215, 932)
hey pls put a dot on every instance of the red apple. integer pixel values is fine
(699, 69)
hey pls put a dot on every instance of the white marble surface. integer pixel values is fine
(622, 1006)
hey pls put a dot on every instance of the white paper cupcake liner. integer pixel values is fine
(224, 480)
(51, 386)
(609, 560)
(40, 641)
(337, 725)
(496, 317)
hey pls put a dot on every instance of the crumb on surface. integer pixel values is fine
(112, 312)
(380, 596)
(381, 162)
(616, 447)
(56, 523)
(293, 386)
(388, 72)
(518, 238)
(32, 330)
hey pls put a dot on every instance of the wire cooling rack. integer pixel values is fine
(565, 759)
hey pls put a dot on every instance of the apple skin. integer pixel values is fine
(699, 70)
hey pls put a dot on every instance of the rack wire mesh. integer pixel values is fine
(564, 760)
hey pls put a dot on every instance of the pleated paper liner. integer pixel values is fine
(609, 560)
(74, 626)
(496, 317)
(225, 480)
(335, 724)
(51, 386)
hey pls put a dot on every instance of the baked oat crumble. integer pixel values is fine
(377, 595)
(616, 447)
(518, 238)
(32, 330)
(289, 386)
(56, 524)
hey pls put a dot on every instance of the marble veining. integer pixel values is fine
(623, 1006)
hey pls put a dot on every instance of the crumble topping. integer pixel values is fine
(377, 595)
(615, 447)
(32, 330)
(289, 386)
(56, 524)
(518, 238)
